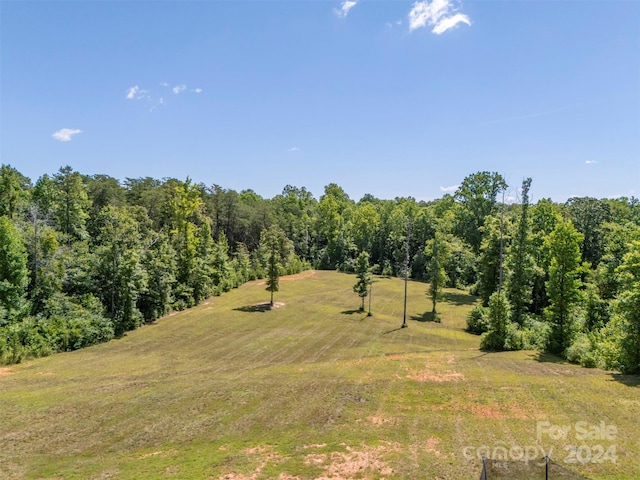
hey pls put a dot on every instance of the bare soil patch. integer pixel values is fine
(354, 463)
(4, 371)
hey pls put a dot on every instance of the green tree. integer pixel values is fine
(363, 273)
(71, 204)
(544, 218)
(159, 263)
(520, 263)
(496, 237)
(14, 191)
(563, 286)
(276, 247)
(628, 307)
(499, 316)
(477, 196)
(589, 216)
(14, 274)
(119, 275)
(438, 252)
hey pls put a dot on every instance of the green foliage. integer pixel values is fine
(589, 216)
(14, 275)
(277, 248)
(519, 262)
(119, 276)
(582, 350)
(70, 204)
(477, 196)
(628, 308)
(499, 317)
(478, 321)
(496, 232)
(14, 191)
(363, 273)
(438, 252)
(563, 286)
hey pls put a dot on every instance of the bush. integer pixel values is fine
(477, 321)
(513, 340)
(535, 334)
(582, 351)
(491, 341)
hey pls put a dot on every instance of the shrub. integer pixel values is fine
(477, 321)
(582, 351)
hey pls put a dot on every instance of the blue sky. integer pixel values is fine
(391, 98)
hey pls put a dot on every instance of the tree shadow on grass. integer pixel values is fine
(425, 317)
(261, 307)
(546, 357)
(628, 380)
(459, 298)
(351, 312)
(393, 330)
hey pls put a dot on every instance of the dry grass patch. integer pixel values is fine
(366, 462)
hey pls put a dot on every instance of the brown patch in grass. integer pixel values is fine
(428, 376)
(147, 455)
(432, 443)
(380, 420)
(265, 455)
(353, 463)
(4, 371)
(314, 445)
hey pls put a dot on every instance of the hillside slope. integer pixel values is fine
(312, 389)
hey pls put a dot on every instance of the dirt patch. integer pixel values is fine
(265, 455)
(147, 455)
(380, 420)
(314, 445)
(429, 376)
(353, 463)
(4, 371)
(432, 443)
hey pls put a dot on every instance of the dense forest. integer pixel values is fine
(84, 259)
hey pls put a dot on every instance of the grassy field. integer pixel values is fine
(312, 389)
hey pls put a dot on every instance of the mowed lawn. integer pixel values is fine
(312, 389)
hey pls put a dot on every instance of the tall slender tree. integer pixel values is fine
(520, 262)
(563, 286)
(438, 251)
(277, 248)
(14, 275)
(363, 273)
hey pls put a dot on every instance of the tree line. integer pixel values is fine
(84, 258)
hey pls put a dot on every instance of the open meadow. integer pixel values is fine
(311, 389)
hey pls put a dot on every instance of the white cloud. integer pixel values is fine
(179, 89)
(450, 22)
(132, 92)
(343, 11)
(452, 188)
(164, 84)
(136, 93)
(197, 90)
(590, 162)
(439, 14)
(65, 134)
(294, 149)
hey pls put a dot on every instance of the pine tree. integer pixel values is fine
(277, 248)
